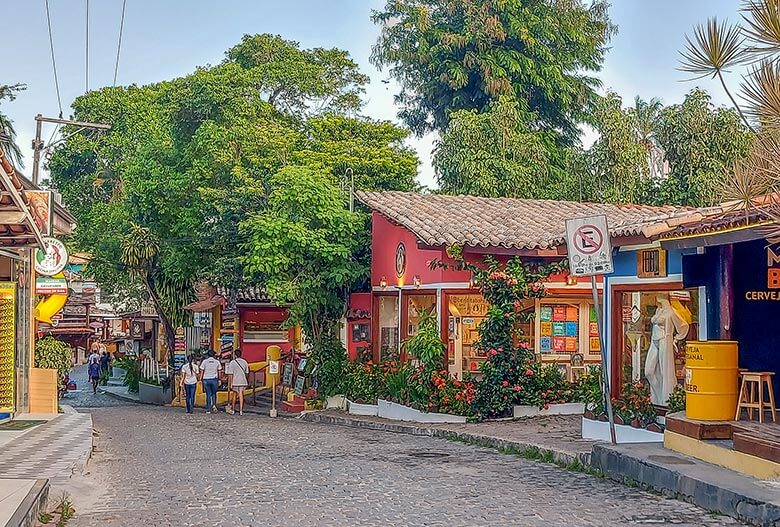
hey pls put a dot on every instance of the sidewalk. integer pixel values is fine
(557, 439)
(40, 461)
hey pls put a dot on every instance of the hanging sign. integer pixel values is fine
(47, 285)
(273, 367)
(588, 245)
(53, 259)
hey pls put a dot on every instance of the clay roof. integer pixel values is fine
(444, 220)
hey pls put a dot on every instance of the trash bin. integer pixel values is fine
(711, 380)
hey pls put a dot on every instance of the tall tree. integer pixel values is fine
(160, 197)
(8, 92)
(451, 55)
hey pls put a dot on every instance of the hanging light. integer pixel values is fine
(571, 280)
(383, 282)
(417, 281)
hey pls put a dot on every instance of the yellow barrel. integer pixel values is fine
(711, 380)
(273, 353)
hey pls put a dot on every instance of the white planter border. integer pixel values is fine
(399, 412)
(599, 430)
(336, 401)
(361, 409)
(554, 409)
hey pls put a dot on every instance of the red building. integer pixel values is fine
(409, 230)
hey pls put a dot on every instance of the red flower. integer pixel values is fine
(529, 372)
(505, 383)
(517, 388)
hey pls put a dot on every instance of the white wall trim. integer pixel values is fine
(633, 280)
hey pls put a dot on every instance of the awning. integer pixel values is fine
(207, 305)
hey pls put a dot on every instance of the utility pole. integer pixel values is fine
(38, 145)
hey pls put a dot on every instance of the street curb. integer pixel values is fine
(34, 503)
(515, 447)
(124, 398)
(737, 496)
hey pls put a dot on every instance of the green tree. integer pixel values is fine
(302, 248)
(701, 144)
(451, 55)
(160, 197)
(8, 92)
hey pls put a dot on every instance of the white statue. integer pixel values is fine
(668, 329)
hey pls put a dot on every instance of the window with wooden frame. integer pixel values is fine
(651, 263)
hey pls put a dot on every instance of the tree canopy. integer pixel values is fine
(451, 55)
(160, 197)
(8, 92)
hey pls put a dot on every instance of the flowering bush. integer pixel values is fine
(634, 406)
(676, 401)
(542, 386)
(450, 396)
(507, 357)
(364, 382)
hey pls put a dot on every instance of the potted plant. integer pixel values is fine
(154, 391)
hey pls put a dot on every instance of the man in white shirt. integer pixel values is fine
(209, 375)
(238, 380)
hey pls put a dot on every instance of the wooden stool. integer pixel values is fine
(751, 395)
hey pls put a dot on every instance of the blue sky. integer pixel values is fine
(168, 38)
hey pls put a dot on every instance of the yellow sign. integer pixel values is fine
(7, 345)
(470, 305)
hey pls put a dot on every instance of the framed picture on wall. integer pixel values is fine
(361, 332)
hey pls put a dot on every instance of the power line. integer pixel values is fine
(119, 44)
(53, 61)
(86, 47)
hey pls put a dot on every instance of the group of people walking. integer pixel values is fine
(98, 361)
(209, 372)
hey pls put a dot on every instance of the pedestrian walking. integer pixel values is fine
(189, 381)
(238, 373)
(105, 359)
(209, 375)
(94, 374)
(95, 353)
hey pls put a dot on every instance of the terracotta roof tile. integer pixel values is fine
(444, 220)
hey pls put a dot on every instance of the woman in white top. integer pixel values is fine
(188, 381)
(237, 372)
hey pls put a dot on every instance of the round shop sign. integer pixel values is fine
(52, 259)
(400, 260)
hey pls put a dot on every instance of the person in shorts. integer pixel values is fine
(238, 380)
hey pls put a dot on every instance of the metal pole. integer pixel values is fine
(604, 364)
(273, 396)
(37, 147)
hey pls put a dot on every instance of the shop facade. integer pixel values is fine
(409, 231)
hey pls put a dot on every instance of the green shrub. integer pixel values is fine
(676, 400)
(132, 368)
(54, 354)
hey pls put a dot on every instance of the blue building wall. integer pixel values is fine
(625, 264)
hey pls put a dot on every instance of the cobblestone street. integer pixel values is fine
(83, 397)
(158, 466)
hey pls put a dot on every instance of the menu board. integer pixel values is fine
(7, 345)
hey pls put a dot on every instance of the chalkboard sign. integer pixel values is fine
(300, 382)
(287, 374)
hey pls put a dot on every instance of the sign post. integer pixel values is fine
(590, 254)
(273, 371)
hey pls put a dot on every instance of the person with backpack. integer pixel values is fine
(188, 381)
(210, 370)
(94, 374)
(238, 374)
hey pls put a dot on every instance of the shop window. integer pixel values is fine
(568, 335)
(388, 327)
(264, 332)
(417, 307)
(655, 325)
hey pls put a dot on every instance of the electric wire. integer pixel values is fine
(86, 49)
(119, 44)
(53, 61)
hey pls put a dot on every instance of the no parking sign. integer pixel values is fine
(587, 240)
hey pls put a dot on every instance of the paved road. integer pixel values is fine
(83, 396)
(158, 467)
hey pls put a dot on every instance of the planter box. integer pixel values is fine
(623, 434)
(399, 412)
(361, 409)
(153, 394)
(336, 401)
(554, 409)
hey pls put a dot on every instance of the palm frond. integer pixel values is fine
(761, 90)
(8, 141)
(713, 48)
(762, 25)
